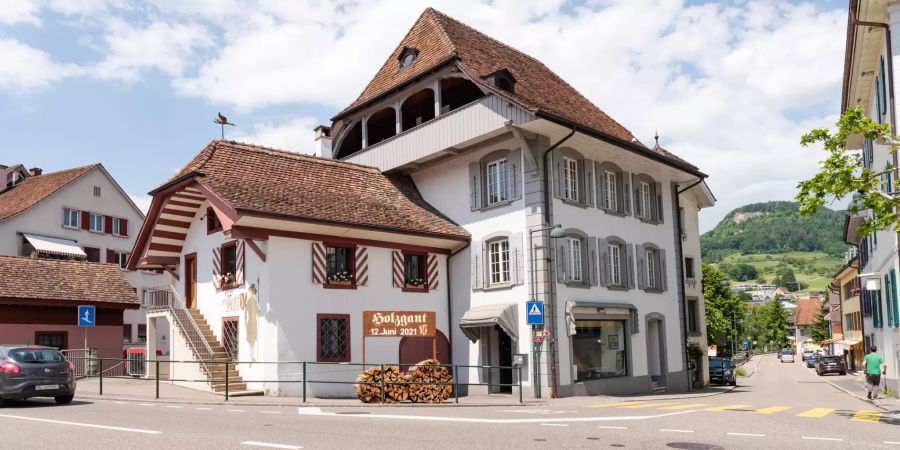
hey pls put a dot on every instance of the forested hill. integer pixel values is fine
(774, 227)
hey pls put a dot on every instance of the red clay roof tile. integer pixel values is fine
(36, 188)
(77, 281)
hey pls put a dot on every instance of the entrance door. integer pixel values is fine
(656, 352)
(190, 280)
(505, 355)
(414, 350)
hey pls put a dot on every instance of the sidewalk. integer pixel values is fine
(137, 390)
(855, 384)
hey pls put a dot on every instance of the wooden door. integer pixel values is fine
(190, 280)
(414, 350)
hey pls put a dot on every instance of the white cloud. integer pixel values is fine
(295, 135)
(25, 67)
(19, 11)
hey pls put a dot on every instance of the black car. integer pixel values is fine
(35, 371)
(721, 371)
(811, 360)
(830, 364)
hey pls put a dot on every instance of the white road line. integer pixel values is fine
(146, 404)
(204, 409)
(555, 424)
(318, 412)
(892, 442)
(81, 424)
(234, 410)
(174, 406)
(746, 434)
(813, 438)
(270, 445)
(612, 428)
(271, 412)
(668, 430)
(120, 403)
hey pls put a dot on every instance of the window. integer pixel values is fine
(121, 259)
(339, 264)
(650, 258)
(93, 254)
(414, 271)
(212, 222)
(497, 178)
(570, 179)
(70, 218)
(599, 349)
(117, 226)
(611, 200)
(333, 337)
(55, 339)
(689, 268)
(615, 265)
(229, 258)
(645, 212)
(575, 273)
(96, 223)
(126, 333)
(693, 316)
(498, 253)
(142, 332)
(96, 191)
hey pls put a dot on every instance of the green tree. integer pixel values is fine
(774, 323)
(724, 310)
(819, 329)
(842, 173)
(761, 280)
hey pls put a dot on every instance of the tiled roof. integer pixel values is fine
(36, 188)
(440, 38)
(807, 310)
(76, 281)
(260, 179)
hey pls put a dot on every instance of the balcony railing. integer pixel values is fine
(165, 298)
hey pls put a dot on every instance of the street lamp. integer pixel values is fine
(556, 232)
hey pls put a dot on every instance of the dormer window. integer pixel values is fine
(502, 79)
(408, 57)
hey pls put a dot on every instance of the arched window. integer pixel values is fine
(573, 174)
(576, 258)
(498, 261)
(351, 142)
(612, 188)
(381, 125)
(648, 199)
(456, 92)
(616, 263)
(652, 268)
(417, 109)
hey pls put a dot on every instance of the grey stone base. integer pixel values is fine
(676, 382)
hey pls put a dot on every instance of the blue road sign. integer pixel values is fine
(534, 312)
(86, 316)
(746, 343)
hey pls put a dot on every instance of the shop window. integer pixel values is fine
(599, 349)
(333, 337)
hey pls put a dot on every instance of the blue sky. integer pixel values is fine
(135, 85)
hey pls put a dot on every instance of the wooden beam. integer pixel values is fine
(256, 249)
(262, 234)
(173, 273)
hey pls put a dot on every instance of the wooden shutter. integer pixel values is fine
(110, 256)
(894, 298)
(600, 185)
(659, 201)
(477, 263)
(319, 258)
(663, 276)
(586, 182)
(476, 185)
(593, 260)
(626, 193)
(603, 256)
(629, 266)
(239, 263)
(641, 267)
(123, 227)
(216, 265)
(560, 185)
(432, 270)
(514, 174)
(636, 198)
(517, 258)
(85, 220)
(107, 224)
(361, 260)
(562, 262)
(397, 269)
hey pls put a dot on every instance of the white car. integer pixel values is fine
(787, 355)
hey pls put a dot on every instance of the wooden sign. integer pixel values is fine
(399, 323)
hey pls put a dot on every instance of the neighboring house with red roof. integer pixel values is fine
(804, 316)
(79, 213)
(39, 301)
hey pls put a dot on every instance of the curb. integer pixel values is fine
(303, 405)
(848, 392)
(754, 367)
(680, 396)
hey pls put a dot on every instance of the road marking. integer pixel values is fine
(646, 405)
(772, 409)
(612, 428)
(81, 424)
(867, 416)
(534, 411)
(614, 405)
(892, 442)
(146, 404)
(204, 409)
(817, 413)
(688, 406)
(555, 424)
(316, 411)
(270, 445)
(726, 407)
(813, 438)
(120, 403)
(675, 431)
(746, 434)
(310, 410)
(174, 406)
(234, 410)
(271, 412)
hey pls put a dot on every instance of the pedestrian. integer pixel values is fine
(874, 365)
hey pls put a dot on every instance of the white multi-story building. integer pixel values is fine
(869, 83)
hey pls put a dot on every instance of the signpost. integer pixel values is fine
(87, 318)
(399, 324)
(534, 313)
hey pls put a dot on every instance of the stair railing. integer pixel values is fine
(165, 298)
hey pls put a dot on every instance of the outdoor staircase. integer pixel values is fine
(216, 372)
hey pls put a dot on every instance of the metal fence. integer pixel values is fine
(106, 368)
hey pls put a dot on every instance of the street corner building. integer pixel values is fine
(465, 180)
(39, 300)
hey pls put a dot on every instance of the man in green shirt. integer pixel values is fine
(874, 365)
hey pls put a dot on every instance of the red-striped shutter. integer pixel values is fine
(85, 220)
(123, 227)
(217, 261)
(107, 224)
(362, 265)
(432, 270)
(318, 262)
(239, 264)
(110, 256)
(397, 264)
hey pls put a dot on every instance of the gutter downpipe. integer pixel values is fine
(682, 299)
(450, 301)
(550, 298)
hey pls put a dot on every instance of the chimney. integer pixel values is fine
(35, 171)
(323, 141)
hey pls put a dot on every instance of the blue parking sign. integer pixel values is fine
(534, 313)
(87, 316)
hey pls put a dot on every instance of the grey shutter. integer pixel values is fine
(620, 192)
(475, 186)
(604, 261)
(659, 202)
(514, 176)
(663, 276)
(517, 259)
(641, 267)
(586, 182)
(636, 189)
(626, 193)
(559, 185)
(562, 261)
(600, 177)
(477, 263)
(629, 266)
(593, 274)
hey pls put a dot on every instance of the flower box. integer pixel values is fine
(341, 282)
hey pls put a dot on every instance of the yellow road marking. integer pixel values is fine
(646, 405)
(687, 406)
(726, 407)
(817, 413)
(772, 409)
(613, 405)
(867, 416)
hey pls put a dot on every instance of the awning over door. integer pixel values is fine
(55, 246)
(500, 314)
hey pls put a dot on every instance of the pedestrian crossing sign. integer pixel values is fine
(534, 313)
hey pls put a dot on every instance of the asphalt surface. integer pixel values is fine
(780, 406)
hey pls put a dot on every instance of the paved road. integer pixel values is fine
(780, 406)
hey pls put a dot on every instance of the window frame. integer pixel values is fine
(222, 261)
(646, 194)
(575, 259)
(616, 265)
(347, 344)
(351, 266)
(570, 179)
(117, 255)
(504, 269)
(91, 222)
(213, 225)
(651, 269)
(611, 199)
(693, 316)
(423, 272)
(621, 332)
(66, 214)
(689, 264)
(502, 182)
(63, 333)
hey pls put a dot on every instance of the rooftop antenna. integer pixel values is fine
(656, 137)
(222, 121)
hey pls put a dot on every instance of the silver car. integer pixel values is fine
(787, 355)
(35, 371)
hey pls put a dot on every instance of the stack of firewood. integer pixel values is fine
(369, 385)
(430, 371)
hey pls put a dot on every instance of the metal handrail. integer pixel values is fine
(173, 303)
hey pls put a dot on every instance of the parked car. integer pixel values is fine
(811, 360)
(807, 354)
(35, 371)
(721, 371)
(831, 364)
(787, 355)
